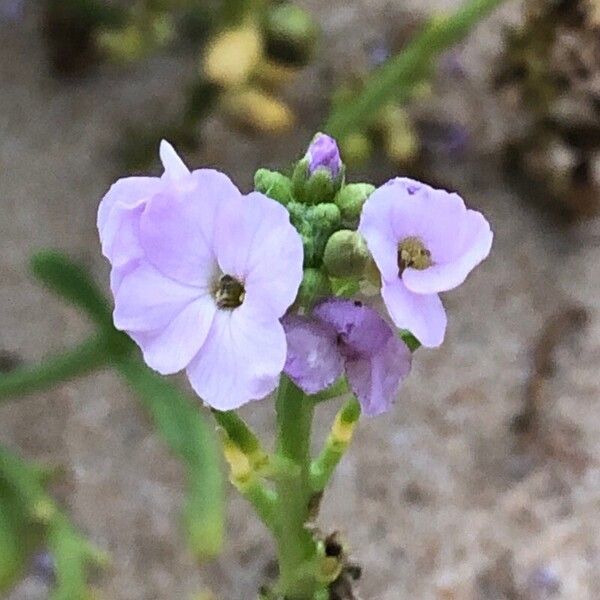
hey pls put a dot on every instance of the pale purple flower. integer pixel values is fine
(323, 153)
(201, 275)
(346, 336)
(424, 241)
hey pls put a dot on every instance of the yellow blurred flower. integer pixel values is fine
(258, 110)
(232, 55)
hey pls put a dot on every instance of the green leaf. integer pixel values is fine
(85, 358)
(398, 77)
(71, 281)
(27, 510)
(185, 430)
(176, 418)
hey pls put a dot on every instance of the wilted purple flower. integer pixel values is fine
(201, 275)
(323, 153)
(424, 241)
(346, 335)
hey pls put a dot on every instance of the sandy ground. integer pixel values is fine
(440, 500)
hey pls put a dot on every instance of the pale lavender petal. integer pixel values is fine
(240, 361)
(474, 243)
(405, 208)
(177, 230)
(258, 245)
(313, 360)
(174, 167)
(376, 381)
(422, 314)
(119, 213)
(148, 301)
(172, 348)
(376, 226)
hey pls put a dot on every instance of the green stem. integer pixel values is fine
(336, 445)
(295, 544)
(85, 358)
(239, 433)
(337, 389)
(397, 78)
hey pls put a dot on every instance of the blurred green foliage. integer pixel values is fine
(29, 518)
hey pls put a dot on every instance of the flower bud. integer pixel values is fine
(346, 254)
(274, 185)
(315, 285)
(315, 224)
(323, 153)
(320, 174)
(291, 35)
(350, 200)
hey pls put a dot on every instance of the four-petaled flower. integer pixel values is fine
(201, 275)
(424, 241)
(346, 336)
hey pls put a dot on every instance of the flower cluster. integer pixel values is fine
(237, 289)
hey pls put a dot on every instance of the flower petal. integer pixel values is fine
(474, 244)
(422, 314)
(361, 330)
(376, 381)
(376, 226)
(405, 208)
(178, 227)
(146, 300)
(257, 244)
(119, 213)
(174, 167)
(240, 361)
(172, 348)
(313, 360)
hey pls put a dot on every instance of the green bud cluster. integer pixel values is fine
(325, 211)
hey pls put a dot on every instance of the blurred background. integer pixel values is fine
(484, 481)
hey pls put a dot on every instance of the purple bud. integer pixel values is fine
(323, 153)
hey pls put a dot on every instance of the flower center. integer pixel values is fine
(413, 253)
(229, 292)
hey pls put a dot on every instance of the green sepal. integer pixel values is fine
(409, 339)
(315, 285)
(344, 287)
(346, 254)
(315, 225)
(350, 200)
(273, 184)
(320, 187)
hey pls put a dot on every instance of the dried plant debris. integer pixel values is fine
(536, 433)
(550, 73)
(497, 582)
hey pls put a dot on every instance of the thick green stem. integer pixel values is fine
(397, 78)
(295, 544)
